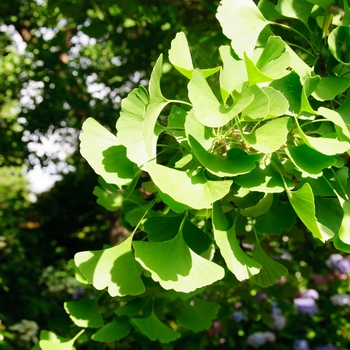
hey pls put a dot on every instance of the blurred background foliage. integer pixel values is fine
(60, 63)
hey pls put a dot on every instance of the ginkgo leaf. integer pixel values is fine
(327, 146)
(237, 161)
(184, 270)
(295, 9)
(329, 87)
(198, 314)
(271, 271)
(155, 329)
(240, 264)
(51, 341)
(265, 180)
(129, 124)
(207, 109)
(309, 161)
(180, 57)
(192, 191)
(101, 149)
(304, 205)
(112, 331)
(137, 122)
(271, 65)
(344, 233)
(242, 22)
(114, 268)
(233, 73)
(84, 312)
(277, 103)
(269, 137)
(258, 109)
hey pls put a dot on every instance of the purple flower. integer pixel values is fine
(258, 339)
(301, 345)
(338, 263)
(279, 323)
(340, 299)
(238, 316)
(306, 306)
(311, 293)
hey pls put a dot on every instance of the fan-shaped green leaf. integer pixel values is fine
(308, 161)
(265, 180)
(272, 63)
(108, 200)
(327, 146)
(51, 341)
(299, 10)
(277, 103)
(114, 268)
(258, 109)
(154, 329)
(112, 331)
(344, 232)
(198, 314)
(329, 87)
(337, 118)
(339, 44)
(271, 270)
(192, 191)
(242, 22)
(180, 57)
(233, 73)
(84, 313)
(129, 124)
(304, 205)
(240, 264)
(260, 208)
(269, 137)
(207, 109)
(237, 161)
(184, 270)
(101, 149)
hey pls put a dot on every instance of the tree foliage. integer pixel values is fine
(219, 186)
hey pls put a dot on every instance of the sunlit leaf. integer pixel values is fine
(51, 341)
(184, 270)
(337, 118)
(240, 264)
(265, 180)
(112, 331)
(344, 233)
(329, 87)
(84, 313)
(327, 146)
(272, 63)
(110, 201)
(233, 73)
(192, 191)
(339, 44)
(237, 161)
(260, 208)
(271, 271)
(114, 268)
(309, 161)
(101, 149)
(129, 124)
(198, 314)
(207, 109)
(309, 86)
(304, 205)
(258, 109)
(180, 57)
(241, 22)
(269, 137)
(295, 9)
(277, 103)
(154, 329)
